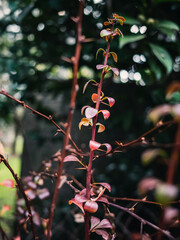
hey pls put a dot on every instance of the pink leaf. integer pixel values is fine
(71, 158)
(108, 146)
(80, 198)
(94, 222)
(43, 193)
(105, 33)
(104, 224)
(79, 204)
(90, 112)
(115, 71)
(100, 66)
(106, 185)
(103, 234)
(94, 145)
(111, 101)
(30, 194)
(103, 199)
(105, 113)
(7, 183)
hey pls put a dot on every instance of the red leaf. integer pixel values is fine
(105, 113)
(30, 194)
(71, 158)
(91, 206)
(94, 145)
(94, 222)
(103, 199)
(104, 224)
(7, 183)
(103, 234)
(100, 66)
(111, 101)
(79, 204)
(80, 198)
(106, 185)
(108, 146)
(4, 209)
(90, 112)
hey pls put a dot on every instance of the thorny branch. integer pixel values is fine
(142, 220)
(74, 90)
(20, 187)
(50, 118)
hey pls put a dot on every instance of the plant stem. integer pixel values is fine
(174, 158)
(142, 220)
(89, 169)
(20, 187)
(70, 114)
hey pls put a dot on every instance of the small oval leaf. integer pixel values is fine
(71, 158)
(94, 145)
(101, 127)
(108, 146)
(105, 113)
(90, 112)
(105, 33)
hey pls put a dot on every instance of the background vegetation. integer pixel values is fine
(36, 39)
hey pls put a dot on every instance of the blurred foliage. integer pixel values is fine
(36, 35)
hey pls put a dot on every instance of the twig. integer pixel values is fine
(3, 92)
(70, 113)
(20, 187)
(3, 234)
(142, 220)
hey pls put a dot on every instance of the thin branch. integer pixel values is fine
(21, 189)
(142, 220)
(74, 90)
(50, 118)
(3, 234)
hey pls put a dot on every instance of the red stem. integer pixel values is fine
(70, 114)
(89, 169)
(174, 158)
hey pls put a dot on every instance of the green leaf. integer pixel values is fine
(174, 98)
(155, 68)
(100, 49)
(167, 24)
(151, 154)
(163, 56)
(131, 38)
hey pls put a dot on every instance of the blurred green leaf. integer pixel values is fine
(174, 98)
(165, 193)
(130, 39)
(167, 24)
(163, 56)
